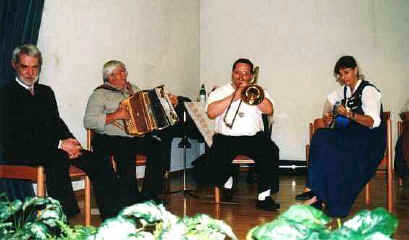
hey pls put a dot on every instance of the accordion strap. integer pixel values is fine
(118, 125)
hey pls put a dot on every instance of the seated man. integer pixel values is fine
(245, 136)
(33, 133)
(402, 152)
(102, 114)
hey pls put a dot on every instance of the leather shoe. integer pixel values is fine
(304, 196)
(159, 201)
(267, 204)
(227, 195)
(317, 205)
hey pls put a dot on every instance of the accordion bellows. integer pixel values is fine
(150, 110)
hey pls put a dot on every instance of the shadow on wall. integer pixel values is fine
(405, 107)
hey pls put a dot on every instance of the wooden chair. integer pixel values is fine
(312, 127)
(243, 159)
(385, 165)
(36, 174)
(239, 159)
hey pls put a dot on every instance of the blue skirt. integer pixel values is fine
(342, 161)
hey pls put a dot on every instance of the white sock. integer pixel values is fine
(262, 196)
(229, 183)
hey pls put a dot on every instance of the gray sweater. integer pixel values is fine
(100, 103)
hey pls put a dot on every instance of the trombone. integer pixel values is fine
(253, 94)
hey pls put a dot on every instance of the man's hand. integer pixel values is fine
(239, 90)
(72, 147)
(121, 113)
(173, 99)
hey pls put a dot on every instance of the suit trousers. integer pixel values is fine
(258, 147)
(124, 150)
(58, 182)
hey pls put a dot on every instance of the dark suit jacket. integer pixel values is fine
(30, 125)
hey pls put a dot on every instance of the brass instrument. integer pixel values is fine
(253, 94)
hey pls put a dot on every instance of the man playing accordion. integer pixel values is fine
(105, 114)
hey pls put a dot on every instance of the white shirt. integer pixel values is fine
(371, 101)
(249, 117)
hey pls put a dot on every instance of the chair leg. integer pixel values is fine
(216, 194)
(367, 197)
(389, 189)
(40, 182)
(87, 205)
(339, 222)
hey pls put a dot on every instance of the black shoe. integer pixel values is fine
(159, 201)
(153, 197)
(304, 196)
(267, 204)
(227, 195)
(317, 205)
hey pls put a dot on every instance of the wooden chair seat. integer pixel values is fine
(36, 174)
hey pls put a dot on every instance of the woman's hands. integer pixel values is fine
(327, 118)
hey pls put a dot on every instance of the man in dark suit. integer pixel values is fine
(33, 133)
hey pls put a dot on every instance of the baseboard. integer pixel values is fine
(292, 167)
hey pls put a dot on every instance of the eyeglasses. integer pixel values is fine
(242, 73)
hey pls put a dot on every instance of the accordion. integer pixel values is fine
(149, 110)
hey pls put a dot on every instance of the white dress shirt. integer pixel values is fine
(249, 117)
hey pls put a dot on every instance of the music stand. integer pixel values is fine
(185, 144)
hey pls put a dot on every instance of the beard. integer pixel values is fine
(28, 82)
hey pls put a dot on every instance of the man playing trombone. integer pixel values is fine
(239, 130)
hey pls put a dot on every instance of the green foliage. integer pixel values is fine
(42, 218)
(302, 222)
(150, 221)
(37, 218)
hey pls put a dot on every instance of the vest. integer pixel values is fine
(354, 103)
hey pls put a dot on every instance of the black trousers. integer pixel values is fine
(261, 149)
(124, 150)
(401, 164)
(58, 182)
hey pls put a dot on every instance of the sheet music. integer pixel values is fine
(205, 125)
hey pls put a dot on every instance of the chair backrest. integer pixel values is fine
(387, 159)
(90, 132)
(317, 124)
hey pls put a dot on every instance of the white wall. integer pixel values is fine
(184, 42)
(157, 39)
(296, 44)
